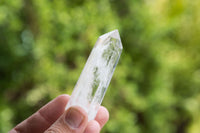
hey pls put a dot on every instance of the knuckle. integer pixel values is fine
(54, 130)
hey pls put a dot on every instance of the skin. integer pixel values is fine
(52, 118)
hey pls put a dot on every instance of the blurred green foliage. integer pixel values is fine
(44, 45)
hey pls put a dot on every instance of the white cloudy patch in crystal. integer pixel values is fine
(97, 73)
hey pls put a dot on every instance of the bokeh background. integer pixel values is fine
(44, 45)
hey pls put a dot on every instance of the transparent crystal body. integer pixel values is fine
(97, 73)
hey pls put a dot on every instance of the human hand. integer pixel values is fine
(52, 118)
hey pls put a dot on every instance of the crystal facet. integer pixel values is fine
(97, 73)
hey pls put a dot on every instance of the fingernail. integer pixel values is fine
(74, 118)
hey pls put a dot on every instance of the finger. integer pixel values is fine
(74, 120)
(93, 127)
(102, 116)
(44, 118)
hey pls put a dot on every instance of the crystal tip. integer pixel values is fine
(114, 34)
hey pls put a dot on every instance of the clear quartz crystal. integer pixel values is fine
(97, 73)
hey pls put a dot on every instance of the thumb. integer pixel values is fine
(74, 120)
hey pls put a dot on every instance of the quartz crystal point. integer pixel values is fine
(97, 73)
